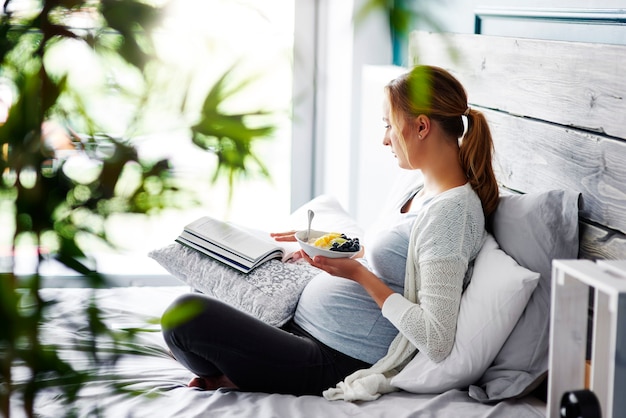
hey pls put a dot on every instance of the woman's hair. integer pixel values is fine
(434, 92)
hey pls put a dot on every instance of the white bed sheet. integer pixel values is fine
(161, 381)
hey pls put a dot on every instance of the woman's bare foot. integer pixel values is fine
(211, 383)
(198, 382)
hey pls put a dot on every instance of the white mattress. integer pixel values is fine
(160, 382)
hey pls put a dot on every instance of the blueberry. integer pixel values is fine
(350, 245)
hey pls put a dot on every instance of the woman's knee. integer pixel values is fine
(184, 310)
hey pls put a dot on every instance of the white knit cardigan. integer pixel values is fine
(446, 235)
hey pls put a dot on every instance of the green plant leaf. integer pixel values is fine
(132, 19)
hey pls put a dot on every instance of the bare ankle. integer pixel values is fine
(198, 382)
(224, 382)
(212, 383)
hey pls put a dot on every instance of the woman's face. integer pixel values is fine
(393, 137)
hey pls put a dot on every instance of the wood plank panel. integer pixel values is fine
(533, 156)
(597, 243)
(569, 83)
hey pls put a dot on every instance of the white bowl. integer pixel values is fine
(312, 250)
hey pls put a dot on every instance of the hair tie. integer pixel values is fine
(467, 111)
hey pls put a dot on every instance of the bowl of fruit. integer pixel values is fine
(328, 244)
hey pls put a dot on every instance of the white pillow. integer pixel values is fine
(533, 228)
(490, 307)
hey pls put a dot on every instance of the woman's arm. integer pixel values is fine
(430, 324)
(444, 239)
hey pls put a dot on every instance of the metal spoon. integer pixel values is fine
(308, 231)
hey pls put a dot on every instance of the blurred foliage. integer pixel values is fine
(229, 136)
(402, 15)
(54, 201)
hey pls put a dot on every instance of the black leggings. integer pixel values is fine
(216, 339)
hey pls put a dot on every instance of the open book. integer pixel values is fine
(239, 247)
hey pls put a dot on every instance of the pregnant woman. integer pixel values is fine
(367, 316)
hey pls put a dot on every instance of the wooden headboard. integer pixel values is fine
(557, 111)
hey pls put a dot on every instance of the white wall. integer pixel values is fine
(376, 167)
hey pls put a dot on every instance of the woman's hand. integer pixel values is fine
(347, 268)
(289, 236)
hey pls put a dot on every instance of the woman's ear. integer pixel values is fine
(422, 126)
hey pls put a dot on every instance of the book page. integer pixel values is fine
(248, 243)
(288, 247)
(230, 237)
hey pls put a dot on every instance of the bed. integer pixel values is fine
(558, 117)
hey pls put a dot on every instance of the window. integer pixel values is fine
(200, 41)
(204, 39)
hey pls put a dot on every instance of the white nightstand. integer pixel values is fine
(571, 281)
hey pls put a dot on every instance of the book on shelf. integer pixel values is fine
(236, 246)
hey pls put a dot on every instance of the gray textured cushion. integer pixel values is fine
(534, 229)
(270, 292)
